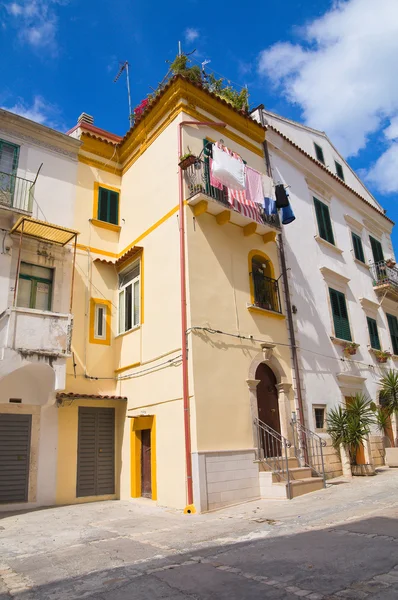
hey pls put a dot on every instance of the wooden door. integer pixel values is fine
(146, 475)
(267, 398)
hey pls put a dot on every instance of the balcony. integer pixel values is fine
(266, 295)
(16, 193)
(385, 278)
(35, 332)
(206, 198)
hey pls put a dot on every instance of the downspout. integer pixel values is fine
(184, 345)
(285, 279)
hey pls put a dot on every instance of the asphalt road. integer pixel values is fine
(339, 543)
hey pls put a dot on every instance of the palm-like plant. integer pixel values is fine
(389, 392)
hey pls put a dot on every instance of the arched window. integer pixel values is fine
(265, 289)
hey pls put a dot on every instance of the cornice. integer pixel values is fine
(331, 275)
(354, 222)
(41, 143)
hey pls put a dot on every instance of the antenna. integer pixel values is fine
(179, 49)
(125, 67)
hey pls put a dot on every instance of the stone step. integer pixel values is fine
(295, 473)
(305, 486)
(270, 489)
(292, 461)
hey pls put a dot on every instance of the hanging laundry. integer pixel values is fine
(254, 186)
(282, 199)
(228, 170)
(270, 207)
(287, 215)
(214, 182)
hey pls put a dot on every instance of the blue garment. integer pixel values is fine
(270, 207)
(287, 215)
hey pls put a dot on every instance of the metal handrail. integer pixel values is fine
(266, 292)
(16, 192)
(384, 274)
(308, 449)
(272, 449)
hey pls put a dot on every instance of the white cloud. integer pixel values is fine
(40, 111)
(191, 34)
(36, 21)
(343, 76)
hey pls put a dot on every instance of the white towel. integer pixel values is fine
(228, 170)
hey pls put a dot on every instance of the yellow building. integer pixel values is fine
(162, 393)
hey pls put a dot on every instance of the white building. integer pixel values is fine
(38, 170)
(342, 288)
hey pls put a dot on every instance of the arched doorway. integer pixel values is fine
(267, 397)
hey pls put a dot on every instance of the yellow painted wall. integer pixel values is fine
(67, 448)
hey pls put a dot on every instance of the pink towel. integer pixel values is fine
(213, 181)
(254, 186)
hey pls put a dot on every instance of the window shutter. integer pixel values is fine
(340, 315)
(373, 334)
(102, 204)
(324, 222)
(358, 248)
(393, 327)
(377, 250)
(113, 207)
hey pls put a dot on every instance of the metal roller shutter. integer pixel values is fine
(15, 432)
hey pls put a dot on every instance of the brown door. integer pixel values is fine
(268, 411)
(146, 478)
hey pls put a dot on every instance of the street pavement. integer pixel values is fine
(339, 543)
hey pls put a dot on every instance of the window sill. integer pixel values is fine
(328, 244)
(136, 328)
(394, 357)
(362, 264)
(100, 341)
(105, 225)
(340, 342)
(264, 311)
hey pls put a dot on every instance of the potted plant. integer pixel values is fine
(382, 356)
(389, 398)
(350, 348)
(390, 262)
(349, 427)
(187, 159)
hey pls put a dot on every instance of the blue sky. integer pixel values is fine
(329, 63)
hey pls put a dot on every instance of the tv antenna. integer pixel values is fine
(125, 67)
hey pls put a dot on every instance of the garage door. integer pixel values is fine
(14, 457)
(96, 452)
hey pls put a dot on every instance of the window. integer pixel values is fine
(129, 298)
(324, 222)
(8, 169)
(35, 287)
(373, 334)
(339, 170)
(319, 153)
(100, 321)
(393, 327)
(265, 289)
(319, 417)
(358, 248)
(377, 250)
(108, 206)
(340, 315)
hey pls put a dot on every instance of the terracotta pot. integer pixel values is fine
(350, 351)
(187, 162)
(382, 359)
(363, 470)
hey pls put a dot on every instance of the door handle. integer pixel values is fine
(100, 450)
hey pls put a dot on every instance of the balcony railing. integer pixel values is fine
(385, 276)
(266, 292)
(197, 178)
(16, 192)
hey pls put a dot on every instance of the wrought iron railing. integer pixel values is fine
(16, 192)
(384, 272)
(266, 292)
(197, 178)
(272, 449)
(308, 449)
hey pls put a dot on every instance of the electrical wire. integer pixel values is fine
(169, 362)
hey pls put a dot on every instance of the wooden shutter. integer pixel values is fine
(373, 334)
(102, 204)
(358, 248)
(113, 200)
(340, 315)
(324, 222)
(15, 431)
(377, 250)
(393, 327)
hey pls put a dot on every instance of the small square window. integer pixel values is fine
(108, 206)
(319, 153)
(339, 170)
(319, 417)
(100, 321)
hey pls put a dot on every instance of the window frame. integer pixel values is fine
(33, 292)
(122, 291)
(393, 336)
(339, 296)
(322, 222)
(319, 152)
(95, 304)
(362, 253)
(319, 407)
(96, 207)
(375, 333)
(339, 167)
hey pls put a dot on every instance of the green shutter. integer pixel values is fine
(358, 248)
(102, 204)
(373, 334)
(319, 153)
(393, 326)
(340, 315)
(324, 222)
(108, 206)
(113, 200)
(377, 250)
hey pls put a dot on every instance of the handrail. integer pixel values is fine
(266, 292)
(382, 273)
(16, 192)
(308, 448)
(272, 449)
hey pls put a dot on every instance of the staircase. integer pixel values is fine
(286, 469)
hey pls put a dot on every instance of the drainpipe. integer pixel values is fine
(184, 346)
(293, 346)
